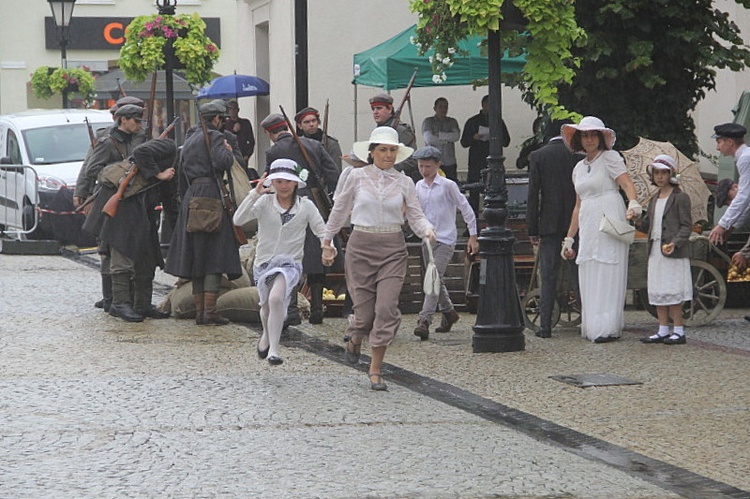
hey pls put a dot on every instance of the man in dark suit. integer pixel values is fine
(550, 205)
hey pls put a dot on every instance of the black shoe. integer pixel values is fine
(606, 339)
(154, 313)
(653, 339)
(262, 354)
(103, 304)
(544, 333)
(291, 321)
(275, 361)
(125, 312)
(747, 318)
(316, 317)
(676, 339)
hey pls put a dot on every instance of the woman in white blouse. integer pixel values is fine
(283, 218)
(377, 197)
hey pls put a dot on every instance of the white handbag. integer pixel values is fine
(622, 231)
(431, 285)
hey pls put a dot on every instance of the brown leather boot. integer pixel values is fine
(210, 316)
(198, 300)
(449, 318)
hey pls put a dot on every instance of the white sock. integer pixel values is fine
(679, 330)
(663, 332)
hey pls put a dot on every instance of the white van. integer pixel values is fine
(54, 143)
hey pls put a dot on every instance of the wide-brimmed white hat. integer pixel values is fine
(664, 162)
(589, 123)
(288, 170)
(382, 135)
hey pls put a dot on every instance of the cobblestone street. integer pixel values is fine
(93, 407)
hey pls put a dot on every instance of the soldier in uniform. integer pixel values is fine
(115, 144)
(308, 122)
(203, 257)
(132, 234)
(327, 171)
(383, 114)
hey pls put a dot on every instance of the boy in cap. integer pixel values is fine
(383, 114)
(439, 198)
(730, 141)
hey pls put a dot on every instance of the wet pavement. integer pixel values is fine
(96, 407)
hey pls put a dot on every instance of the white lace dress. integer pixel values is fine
(602, 259)
(669, 279)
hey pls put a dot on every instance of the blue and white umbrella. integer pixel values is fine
(234, 86)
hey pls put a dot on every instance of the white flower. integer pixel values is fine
(451, 50)
(438, 56)
(443, 77)
(419, 45)
(303, 175)
(436, 79)
(447, 61)
(411, 40)
(430, 59)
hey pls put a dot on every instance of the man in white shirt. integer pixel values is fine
(443, 132)
(439, 198)
(730, 141)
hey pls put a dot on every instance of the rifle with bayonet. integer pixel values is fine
(151, 104)
(110, 207)
(120, 89)
(92, 135)
(325, 125)
(397, 114)
(316, 186)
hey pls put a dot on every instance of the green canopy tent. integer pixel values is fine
(391, 64)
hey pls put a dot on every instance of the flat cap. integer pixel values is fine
(722, 191)
(273, 122)
(381, 100)
(122, 101)
(427, 152)
(129, 111)
(213, 108)
(304, 112)
(729, 131)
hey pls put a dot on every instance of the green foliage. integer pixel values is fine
(550, 35)
(648, 63)
(147, 38)
(47, 81)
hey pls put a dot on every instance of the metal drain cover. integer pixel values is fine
(588, 380)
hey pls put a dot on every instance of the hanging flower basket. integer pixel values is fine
(148, 40)
(47, 81)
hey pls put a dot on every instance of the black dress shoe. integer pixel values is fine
(125, 312)
(747, 318)
(154, 313)
(544, 333)
(653, 339)
(676, 339)
(316, 317)
(606, 339)
(275, 361)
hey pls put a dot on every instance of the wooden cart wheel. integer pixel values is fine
(570, 312)
(531, 311)
(709, 294)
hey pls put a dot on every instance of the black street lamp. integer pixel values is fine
(62, 13)
(167, 8)
(499, 326)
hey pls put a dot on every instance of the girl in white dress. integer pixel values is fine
(602, 260)
(283, 218)
(668, 224)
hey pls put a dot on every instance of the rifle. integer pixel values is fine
(226, 198)
(397, 114)
(151, 102)
(92, 135)
(325, 125)
(317, 189)
(110, 207)
(120, 89)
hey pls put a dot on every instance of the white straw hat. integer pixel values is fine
(589, 123)
(664, 162)
(288, 170)
(382, 135)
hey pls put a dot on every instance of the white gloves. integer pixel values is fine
(636, 207)
(567, 245)
(430, 236)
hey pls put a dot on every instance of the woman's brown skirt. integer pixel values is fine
(375, 269)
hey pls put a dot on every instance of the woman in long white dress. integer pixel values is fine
(602, 259)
